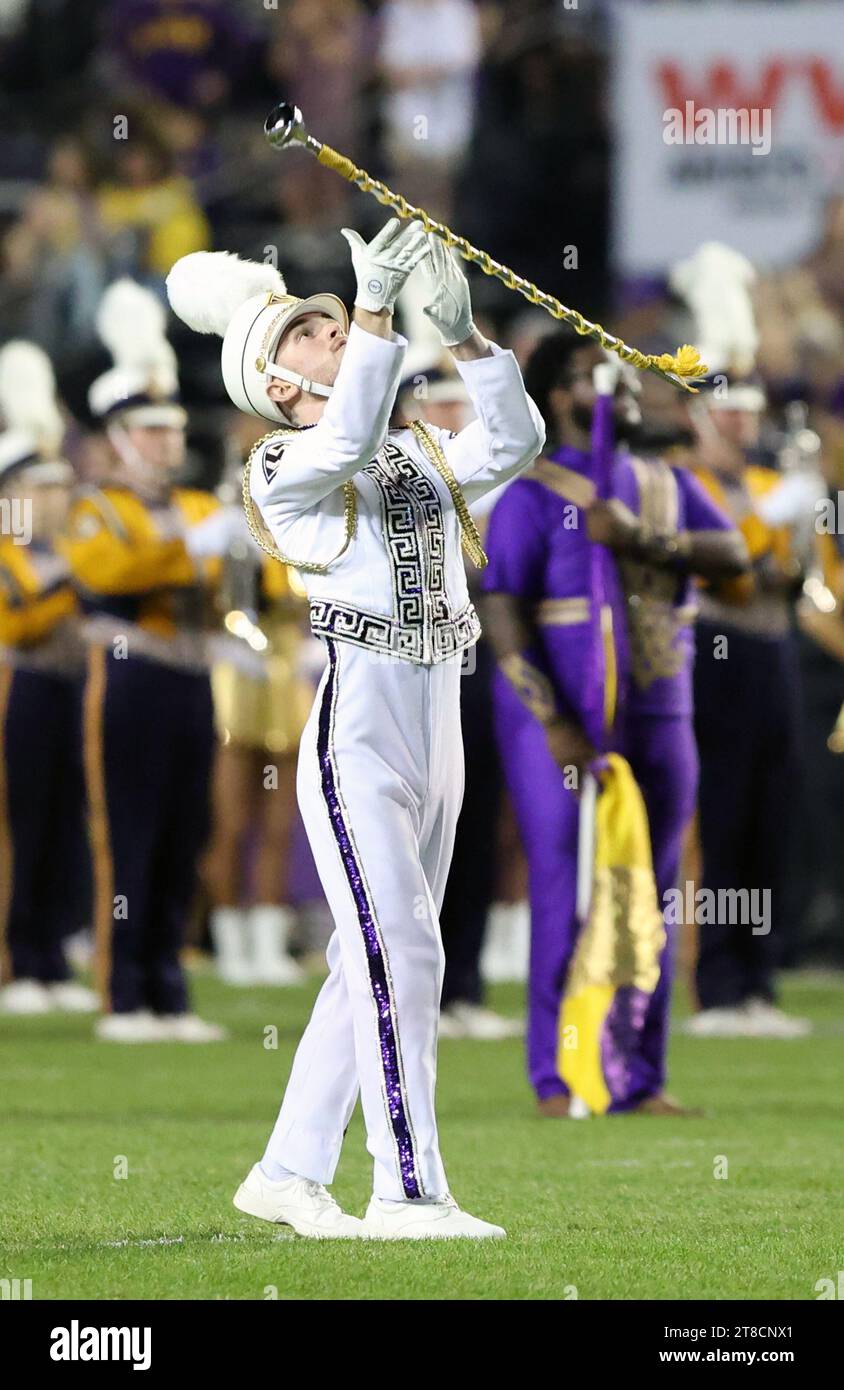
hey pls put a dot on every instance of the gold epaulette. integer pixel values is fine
(260, 532)
(565, 482)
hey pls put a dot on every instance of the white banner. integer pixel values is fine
(728, 125)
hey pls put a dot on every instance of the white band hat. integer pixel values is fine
(142, 388)
(247, 304)
(738, 395)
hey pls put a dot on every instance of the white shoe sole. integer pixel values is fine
(280, 980)
(128, 1042)
(251, 1205)
(433, 1235)
(12, 1011)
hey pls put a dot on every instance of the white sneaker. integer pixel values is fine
(228, 928)
(506, 949)
(282, 971)
(579, 1109)
(496, 963)
(519, 942)
(464, 1020)
(718, 1023)
(189, 1028)
(296, 1202)
(238, 973)
(139, 1027)
(79, 949)
(441, 1219)
(25, 997)
(767, 1021)
(73, 998)
(269, 928)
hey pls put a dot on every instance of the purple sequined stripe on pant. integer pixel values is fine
(376, 964)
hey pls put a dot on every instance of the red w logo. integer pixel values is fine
(721, 87)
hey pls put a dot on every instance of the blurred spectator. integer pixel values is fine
(312, 254)
(428, 53)
(800, 310)
(151, 213)
(534, 189)
(188, 52)
(54, 252)
(320, 58)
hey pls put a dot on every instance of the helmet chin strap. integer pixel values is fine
(143, 473)
(315, 388)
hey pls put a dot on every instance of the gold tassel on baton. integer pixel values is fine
(284, 126)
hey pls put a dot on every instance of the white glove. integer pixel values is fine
(217, 533)
(449, 302)
(383, 266)
(605, 377)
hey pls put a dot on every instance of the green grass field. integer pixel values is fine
(623, 1208)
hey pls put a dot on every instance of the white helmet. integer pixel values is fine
(142, 388)
(246, 303)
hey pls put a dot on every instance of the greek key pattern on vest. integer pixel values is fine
(383, 635)
(415, 536)
(422, 627)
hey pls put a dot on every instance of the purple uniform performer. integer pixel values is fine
(564, 691)
(540, 553)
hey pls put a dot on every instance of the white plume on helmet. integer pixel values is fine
(132, 324)
(207, 288)
(248, 305)
(28, 394)
(715, 283)
(30, 410)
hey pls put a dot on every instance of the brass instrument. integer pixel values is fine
(285, 126)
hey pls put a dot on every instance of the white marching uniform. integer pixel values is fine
(380, 776)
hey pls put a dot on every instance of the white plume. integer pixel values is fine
(28, 394)
(715, 284)
(132, 323)
(207, 288)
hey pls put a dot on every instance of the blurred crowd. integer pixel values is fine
(144, 140)
(133, 135)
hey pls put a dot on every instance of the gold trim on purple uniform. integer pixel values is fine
(532, 687)
(653, 621)
(562, 612)
(565, 482)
